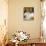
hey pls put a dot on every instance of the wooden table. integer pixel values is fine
(33, 42)
(40, 44)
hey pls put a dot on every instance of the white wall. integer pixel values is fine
(16, 21)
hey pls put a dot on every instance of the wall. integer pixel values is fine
(16, 21)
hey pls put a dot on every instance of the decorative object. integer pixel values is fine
(20, 36)
(23, 36)
(28, 13)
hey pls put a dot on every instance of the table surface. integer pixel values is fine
(38, 40)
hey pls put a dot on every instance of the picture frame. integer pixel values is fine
(28, 13)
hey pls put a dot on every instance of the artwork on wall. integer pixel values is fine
(28, 13)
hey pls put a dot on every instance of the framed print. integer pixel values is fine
(28, 13)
